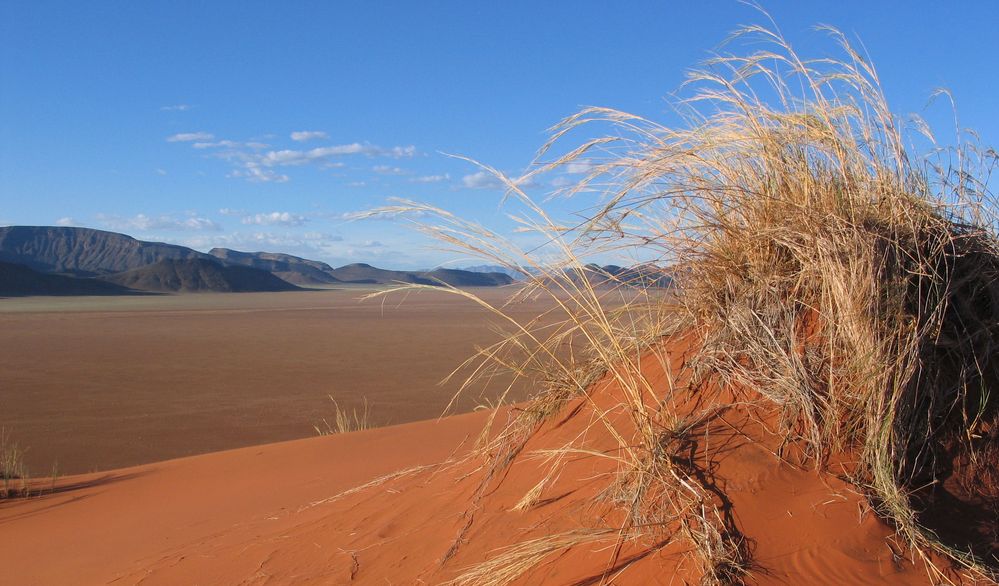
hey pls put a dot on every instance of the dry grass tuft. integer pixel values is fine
(13, 471)
(344, 421)
(818, 266)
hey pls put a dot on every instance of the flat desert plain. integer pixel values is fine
(90, 384)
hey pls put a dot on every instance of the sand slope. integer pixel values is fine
(278, 514)
(100, 528)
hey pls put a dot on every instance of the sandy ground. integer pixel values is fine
(102, 528)
(307, 512)
(99, 383)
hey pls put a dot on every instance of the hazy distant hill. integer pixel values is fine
(637, 276)
(462, 278)
(17, 280)
(293, 269)
(83, 252)
(194, 275)
(310, 272)
(516, 275)
(365, 273)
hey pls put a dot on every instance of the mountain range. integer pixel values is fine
(302, 271)
(51, 260)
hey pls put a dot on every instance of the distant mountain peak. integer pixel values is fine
(83, 252)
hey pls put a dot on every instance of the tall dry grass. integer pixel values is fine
(13, 471)
(816, 259)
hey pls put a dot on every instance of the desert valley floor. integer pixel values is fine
(97, 383)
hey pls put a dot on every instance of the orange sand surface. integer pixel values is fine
(289, 514)
(109, 527)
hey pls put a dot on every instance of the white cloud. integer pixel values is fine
(190, 137)
(431, 178)
(400, 152)
(291, 157)
(275, 218)
(253, 163)
(258, 166)
(66, 221)
(388, 170)
(258, 175)
(231, 212)
(144, 223)
(212, 145)
(161, 171)
(371, 244)
(307, 135)
(176, 108)
(481, 180)
(578, 167)
(486, 180)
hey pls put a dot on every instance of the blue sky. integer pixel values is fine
(258, 125)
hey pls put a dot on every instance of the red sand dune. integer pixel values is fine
(278, 514)
(98, 528)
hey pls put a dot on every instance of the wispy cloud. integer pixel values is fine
(145, 223)
(481, 180)
(254, 162)
(487, 180)
(578, 167)
(292, 157)
(161, 171)
(259, 166)
(66, 221)
(176, 108)
(307, 135)
(258, 175)
(190, 137)
(431, 178)
(230, 144)
(388, 170)
(275, 219)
